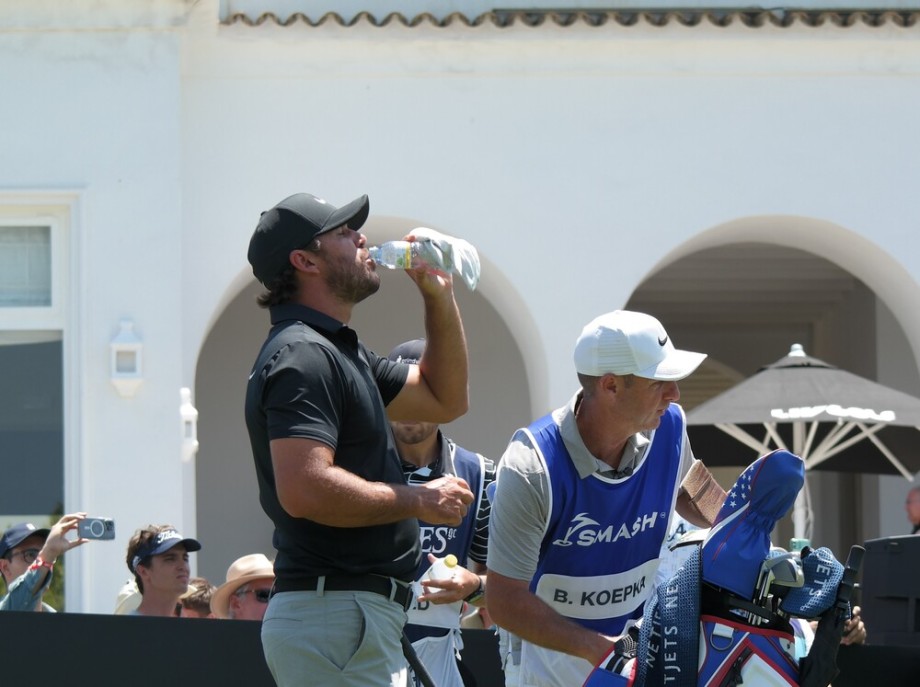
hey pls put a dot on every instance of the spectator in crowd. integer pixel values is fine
(434, 617)
(245, 594)
(330, 479)
(158, 557)
(27, 558)
(128, 598)
(584, 496)
(196, 602)
(912, 506)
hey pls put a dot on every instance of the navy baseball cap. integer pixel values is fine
(17, 534)
(408, 352)
(162, 543)
(292, 224)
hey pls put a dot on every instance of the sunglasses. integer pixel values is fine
(261, 595)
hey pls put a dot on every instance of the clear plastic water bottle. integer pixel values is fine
(407, 255)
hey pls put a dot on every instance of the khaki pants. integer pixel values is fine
(334, 639)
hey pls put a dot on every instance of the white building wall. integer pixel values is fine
(97, 113)
(576, 159)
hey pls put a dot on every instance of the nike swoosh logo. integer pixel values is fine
(662, 342)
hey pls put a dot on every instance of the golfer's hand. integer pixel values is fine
(444, 501)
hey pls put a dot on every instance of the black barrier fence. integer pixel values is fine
(79, 649)
(101, 650)
(891, 590)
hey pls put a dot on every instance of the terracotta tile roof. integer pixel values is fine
(753, 18)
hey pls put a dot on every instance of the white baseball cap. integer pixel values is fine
(623, 342)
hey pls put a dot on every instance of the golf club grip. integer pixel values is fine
(421, 672)
(850, 572)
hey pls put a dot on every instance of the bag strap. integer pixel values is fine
(670, 630)
(649, 618)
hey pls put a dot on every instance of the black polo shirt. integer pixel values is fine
(313, 379)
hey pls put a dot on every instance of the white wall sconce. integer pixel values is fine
(126, 368)
(189, 415)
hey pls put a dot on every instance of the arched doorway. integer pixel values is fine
(744, 294)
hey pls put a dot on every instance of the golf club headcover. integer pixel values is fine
(823, 573)
(739, 540)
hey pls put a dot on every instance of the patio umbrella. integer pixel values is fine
(831, 418)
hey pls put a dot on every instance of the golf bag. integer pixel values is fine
(735, 612)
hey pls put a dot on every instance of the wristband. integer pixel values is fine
(41, 563)
(477, 594)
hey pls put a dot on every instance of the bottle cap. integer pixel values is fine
(796, 544)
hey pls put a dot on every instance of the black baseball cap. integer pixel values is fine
(292, 224)
(17, 534)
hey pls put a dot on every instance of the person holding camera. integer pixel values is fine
(158, 557)
(27, 558)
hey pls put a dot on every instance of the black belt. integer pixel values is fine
(400, 592)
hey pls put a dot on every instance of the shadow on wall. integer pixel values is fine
(230, 521)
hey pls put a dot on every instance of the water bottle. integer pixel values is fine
(441, 569)
(427, 613)
(407, 255)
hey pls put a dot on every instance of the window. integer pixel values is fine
(33, 266)
(25, 266)
(31, 424)
(34, 274)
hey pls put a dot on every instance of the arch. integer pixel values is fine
(882, 272)
(868, 326)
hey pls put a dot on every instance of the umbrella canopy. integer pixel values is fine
(831, 418)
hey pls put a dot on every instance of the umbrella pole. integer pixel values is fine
(801, 511)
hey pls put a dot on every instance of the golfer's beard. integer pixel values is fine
(352, 285)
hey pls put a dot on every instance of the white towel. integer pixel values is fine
(462, 255)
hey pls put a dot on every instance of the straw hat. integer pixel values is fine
(254, 566)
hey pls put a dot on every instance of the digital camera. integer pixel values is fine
(96, 528)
